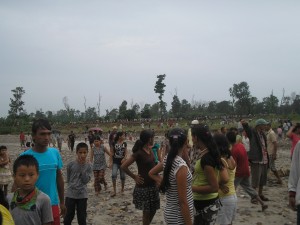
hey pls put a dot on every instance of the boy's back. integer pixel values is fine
(36, 211)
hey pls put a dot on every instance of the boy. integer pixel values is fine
(28, 205)
(78, 175)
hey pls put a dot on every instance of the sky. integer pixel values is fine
(115, 49)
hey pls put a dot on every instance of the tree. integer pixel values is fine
(145, 112)
(176, 106)
(122, 110)
(16, 103)
(270, 104)
(160, 90)
(241, 92)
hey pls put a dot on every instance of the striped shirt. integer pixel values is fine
(172, 210)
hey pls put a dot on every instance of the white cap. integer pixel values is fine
(194, 122)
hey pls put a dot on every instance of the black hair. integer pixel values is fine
(40, 124)
(2, 147)
(25, 160)
(82, 145)
(177, 138)
(223, 145)
(231, 137)
(201, 131)
(297, 126)
(118, 135)
(145, 136)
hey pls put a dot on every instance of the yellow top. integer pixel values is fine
(230, 183)
(6, 216)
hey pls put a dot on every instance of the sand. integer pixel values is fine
(103, 209)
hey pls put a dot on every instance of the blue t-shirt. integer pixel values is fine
(155, 151)
(49, 162)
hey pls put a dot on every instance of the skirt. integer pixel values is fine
(146, 198)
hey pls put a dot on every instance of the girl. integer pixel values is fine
(294, 135)
(145, 194)
(206, 180)
(118, 156)
(176, 181)
(227, 193)
(5, 173)
(97, 157)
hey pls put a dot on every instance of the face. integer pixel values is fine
(42, 137)
(82, 154)
(25, 178)
(97, 143)
(2, 151)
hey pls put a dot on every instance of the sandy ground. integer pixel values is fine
(103, 209)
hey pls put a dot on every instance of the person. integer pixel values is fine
(165, 146)
(258, 155)
(60, 140)
(208, 168)
(5, 173)
(5, 216)
(272, 151)
(145, 194)
(112, 136)
(50, 179)
(176, 182)
(28, 139)
(97, 157)
(293, 182)
(294, 135)
(245, 141)
(227, 194)
(79, 174)
(223, 130)
(71, 141)
(118, 155)
(28, 205)
(156, 152)
(22, 139)
(91, 138)
(242, 173)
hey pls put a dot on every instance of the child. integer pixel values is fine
(97, 157)
(28, 205)
(5, 174)
(78, 175)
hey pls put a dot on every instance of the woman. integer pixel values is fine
(294, 135)
(145, 194)
(118, 156)
(227, 193)
(206, 177)
(176, 182)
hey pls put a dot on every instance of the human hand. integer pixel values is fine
(138, 179)
(292, 202)
(63, 209)
(224, 189)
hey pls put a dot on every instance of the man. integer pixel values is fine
(22, 139)
(112, 136)
(258, 155)
(71, 141)
(272, 151)
(50, 179)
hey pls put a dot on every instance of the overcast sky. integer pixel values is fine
(117, 48)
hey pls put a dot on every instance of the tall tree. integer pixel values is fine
(270, 104)
(160, 90)
(176, 106)
(241, 92)
(16, 103)
(122, 110)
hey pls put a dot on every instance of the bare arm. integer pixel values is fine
(212, 186)
(154, 173)
(92, 156)
(290, 131)
(138, 179)
(182, 194)
(61, 189)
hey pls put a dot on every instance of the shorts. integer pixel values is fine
(146, 198)
(258, 174)
(56, 215)
(207, 215)
(227, 211)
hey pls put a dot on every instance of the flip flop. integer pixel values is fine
(262, 197)
(264, 207)
(254, 201)
(112, 194)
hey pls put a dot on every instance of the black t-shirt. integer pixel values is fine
(119, 152)
(72, 137)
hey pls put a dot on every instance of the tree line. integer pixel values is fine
(241, 103)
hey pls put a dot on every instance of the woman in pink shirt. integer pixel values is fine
(294, 135)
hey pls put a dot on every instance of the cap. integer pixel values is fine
(261, 122)
(114, 127)
(194, 122)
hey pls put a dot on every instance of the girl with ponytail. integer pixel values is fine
(145, 194)
(176, 181)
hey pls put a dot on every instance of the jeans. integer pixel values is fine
(298, 214)
(80, 206)
(114, 172)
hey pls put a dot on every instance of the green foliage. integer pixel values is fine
(16, 103)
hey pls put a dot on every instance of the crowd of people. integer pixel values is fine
(197, 170)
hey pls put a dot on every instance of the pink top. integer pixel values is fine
(294, 138)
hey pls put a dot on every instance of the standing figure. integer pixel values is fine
(5, 174)
(118, 155)
(176, 182)
(79, 174)
(97, 157)
(145, 194)
(50, 179)
(71, 141)
(294, 134)
(22, 139)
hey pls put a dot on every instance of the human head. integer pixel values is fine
(97, 141)
(25, 160)
(223, 130)
(41, 132)
(260, 124)
(3, 148)
(82, 150)
(42, 124)
(223, 145)
(146, 138)
(231, 137)
(119, 135)
(296, 128)
(177, 137)
(200, 132)
(82, 145)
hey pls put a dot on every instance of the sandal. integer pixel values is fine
(264, 207)
(113, 194)
(262, 197)
(254, 201)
